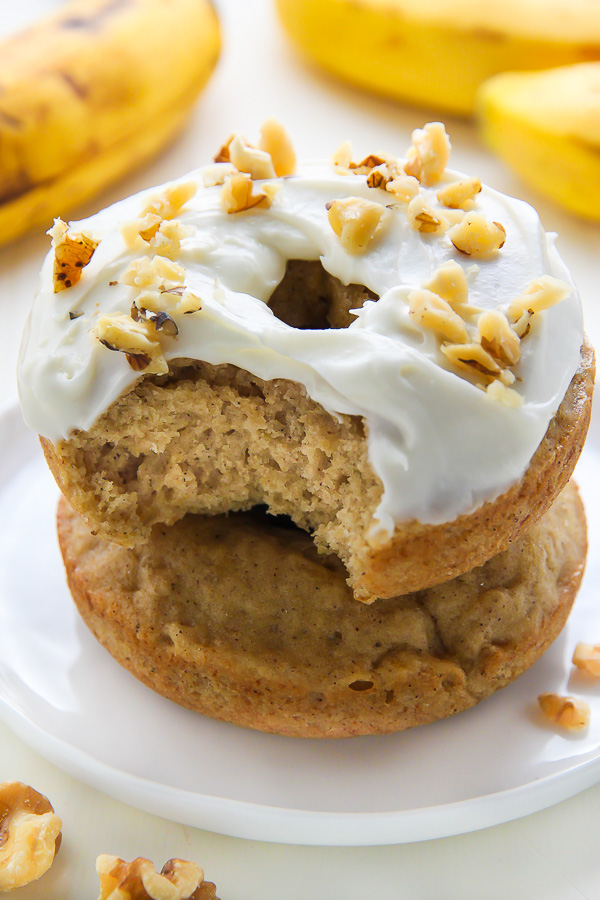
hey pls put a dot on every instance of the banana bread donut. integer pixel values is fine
(382, 350)
(241, 619)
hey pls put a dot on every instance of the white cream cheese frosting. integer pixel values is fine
(439, 443)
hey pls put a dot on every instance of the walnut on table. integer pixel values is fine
(30, 835)
(138, 880)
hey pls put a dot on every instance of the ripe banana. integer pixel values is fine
(546, 125)
(436, 52)
(90, 93)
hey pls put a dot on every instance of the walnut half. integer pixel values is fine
(29, 835)
(137, 880)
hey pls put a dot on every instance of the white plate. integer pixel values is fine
(67, 698)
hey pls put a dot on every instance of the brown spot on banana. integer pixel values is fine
(95, 18)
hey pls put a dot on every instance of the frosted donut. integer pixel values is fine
(380, 350)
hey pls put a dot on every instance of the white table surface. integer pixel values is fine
(552, 855)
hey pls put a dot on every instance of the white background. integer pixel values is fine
(552, 855)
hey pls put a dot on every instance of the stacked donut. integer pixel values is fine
(315, 430)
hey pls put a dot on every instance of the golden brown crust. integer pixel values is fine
(241, 620)
(227, 440)
(472, 539)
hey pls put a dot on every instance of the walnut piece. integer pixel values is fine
(587, 658)
(237, 194)
(476, 236)
(429, 153)
(213, 175)
(540, 294)
(177, 299)
(498, 338)
(275, 141)
(471, 358)
(432, 311)
(424, 218)
(355, 222)
(30, 835)
(138, 340)
(167, 204)
(570, 713)
(502, 394)
(256, 163)
(157, 271)
(137, 880)
(459, 194)
(343, 155)
(450, 282)
(403, 187)
(72, 253)
(163, 236)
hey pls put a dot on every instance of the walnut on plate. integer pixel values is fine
(570, 713)
(137, 880)
(587, 658)
(30, 835)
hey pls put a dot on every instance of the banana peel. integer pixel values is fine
(546, 125)
(90, 93)
(436, 53)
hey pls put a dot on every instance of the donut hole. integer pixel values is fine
(310, 298)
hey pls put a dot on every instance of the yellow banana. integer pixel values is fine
(89, 93)
(436, 52)
(546, 125)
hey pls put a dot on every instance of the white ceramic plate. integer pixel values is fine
(67, 698)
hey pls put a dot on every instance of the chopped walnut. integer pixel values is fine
(138, 340)
(72, 253)
(429, 153)
(152, 272)
(214, 175)
(144, 227)
(355, 222)
(498, 338)
(506, 396)
(275, 141)
(382, 175)
(432, 311)
(172, 300)
(223, 156)
(403, 187)
(459, 194)
(343, 155)
(476, 236)
(160, 319)
(450, 282)
(568, 712)
(541, 293)
(256, 163)
(237, 194)
(138, 880)
(587, 658)
(167, 239)
(164, 236)
(367, 164)
(30, 835)
(471, 358)
(422, 217)
(167, 204)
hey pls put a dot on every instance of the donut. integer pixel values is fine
(240, 618)
(382, 349)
